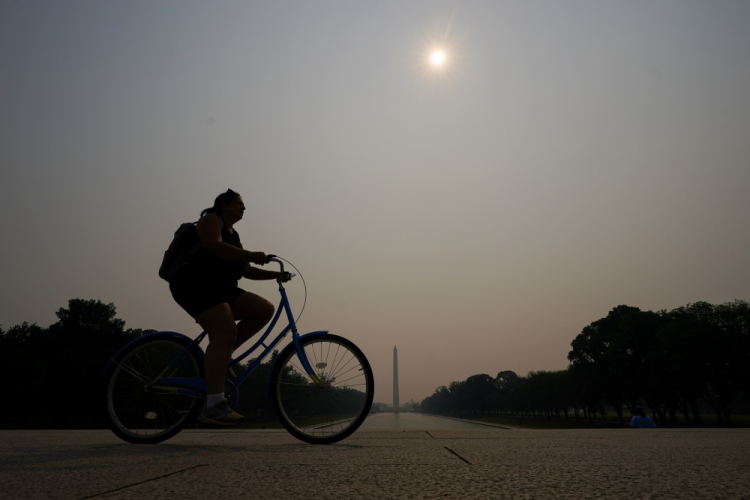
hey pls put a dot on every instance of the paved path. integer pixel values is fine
(493, 463)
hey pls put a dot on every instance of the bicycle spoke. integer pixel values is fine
(315, 358)
(328, 353)
(341, 383)
(347, 371)
(336, 360)
(344, 366)
(133, 372)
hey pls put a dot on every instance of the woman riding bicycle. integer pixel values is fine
(206, 287)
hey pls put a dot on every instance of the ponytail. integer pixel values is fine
(226, 197)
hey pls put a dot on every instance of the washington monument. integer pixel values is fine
(395, 378)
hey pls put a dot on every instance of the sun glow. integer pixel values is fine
(439, 58)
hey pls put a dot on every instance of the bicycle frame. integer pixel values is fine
(197, 387)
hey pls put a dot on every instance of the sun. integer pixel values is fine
(437, 58)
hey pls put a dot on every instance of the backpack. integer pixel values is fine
(184, 244)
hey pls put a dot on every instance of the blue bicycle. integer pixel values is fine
(321, 385)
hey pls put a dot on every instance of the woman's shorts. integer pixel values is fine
(196, 293)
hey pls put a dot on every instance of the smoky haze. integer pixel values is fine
(567, 158)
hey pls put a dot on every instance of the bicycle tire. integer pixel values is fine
(332, 412)
(141, 414)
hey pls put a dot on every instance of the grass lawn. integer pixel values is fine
(612, 422)
(738, 421)
(543, 423)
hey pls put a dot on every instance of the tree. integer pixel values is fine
(734, 319)
(599, 366)
(76, 349)
(507, 383)
(25, 371)
(439, 402)
(723, 352)
(681, 340)
(479, 392)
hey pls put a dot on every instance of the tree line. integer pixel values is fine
(53, 374)
(684, 361)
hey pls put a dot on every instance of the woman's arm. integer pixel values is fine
(209, 232)
(253, 273)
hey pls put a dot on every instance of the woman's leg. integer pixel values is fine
(218, 322)
(254, 312)
(224, 335)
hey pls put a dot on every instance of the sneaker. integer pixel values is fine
(221, 414)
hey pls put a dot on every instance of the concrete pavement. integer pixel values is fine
(493, 463)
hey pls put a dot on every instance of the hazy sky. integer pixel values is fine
(569, 157)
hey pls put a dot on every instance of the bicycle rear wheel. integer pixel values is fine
(140, 408)
(333, 410)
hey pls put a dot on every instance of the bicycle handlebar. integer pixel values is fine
(272, 258)
(283, 277)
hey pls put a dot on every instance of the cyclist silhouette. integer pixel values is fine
(206, 287)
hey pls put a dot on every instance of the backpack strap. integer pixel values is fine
(221, 221)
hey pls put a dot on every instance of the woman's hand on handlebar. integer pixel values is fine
(286, 276)
(256, 257)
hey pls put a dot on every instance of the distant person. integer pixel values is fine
(206, 287)
(640, 420)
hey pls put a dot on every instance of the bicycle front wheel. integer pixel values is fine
(141, 408)
(332, 410)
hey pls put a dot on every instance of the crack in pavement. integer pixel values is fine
(459, 456)
(145, 481)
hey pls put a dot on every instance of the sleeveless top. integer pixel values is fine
(214, 268)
